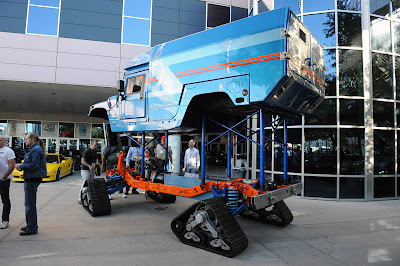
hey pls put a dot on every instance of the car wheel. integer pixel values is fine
(72, 169)
(58, 175)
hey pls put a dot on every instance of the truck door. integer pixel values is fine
(134, 104)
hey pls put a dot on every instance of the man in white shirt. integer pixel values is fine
(192, 160)
(7, 158)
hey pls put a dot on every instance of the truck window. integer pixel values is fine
(135, 84)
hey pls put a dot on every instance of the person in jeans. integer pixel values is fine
(7, 159)
(34, 168)
(88, 163)
(192, 161)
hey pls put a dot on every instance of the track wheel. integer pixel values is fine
(95, 197)
(280, 215)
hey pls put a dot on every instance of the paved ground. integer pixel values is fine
(138, 233)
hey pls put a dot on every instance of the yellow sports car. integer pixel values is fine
(57, 166)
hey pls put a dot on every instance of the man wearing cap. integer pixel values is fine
(160, 152)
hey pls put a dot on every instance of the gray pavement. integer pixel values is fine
(138, 233)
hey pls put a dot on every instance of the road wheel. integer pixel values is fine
(71, 172)
(58, 175)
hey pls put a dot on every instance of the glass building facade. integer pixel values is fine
(348, 148)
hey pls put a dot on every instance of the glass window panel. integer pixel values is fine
(292, 4)
(238, 13)
(294, 121)
(396, 9)
(33, 126)
(17, 143)
(318, 5)
(398, 115)
(352, 112)
(325, 114)
(352, 151)
(322, 26)
(350, 73)
(383, 114)
(323, 187)
(398, 156)
(379, 7)
(330, 73)
(397, 73)
(97, 131)
(63, 146)
(66, 130)
(3, 127)
(135, 84)
(292, 179)
(380, 34)
(382, 76)
(384, 187)
(43, 20)
(349, 29)
(349, 5)
(320, 151)
(53, 3)
(137, 8)
(136, 31)
(351, 188)
(383, 152)
(396, 35)
(84, 144)
(293, 150)
(52, 146)
(217, 15)
(267, 154)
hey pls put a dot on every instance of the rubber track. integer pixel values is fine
(99, 197)
(231, 232)
(161, 197)
(280, 209)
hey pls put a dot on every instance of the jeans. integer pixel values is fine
(86, 174)
(30, 205)
(5, 198)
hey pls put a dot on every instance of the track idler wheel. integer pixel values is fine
(279, 215)
(95, 197)
(161, 197)
(210, 225)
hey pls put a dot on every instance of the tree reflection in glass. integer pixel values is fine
(318, 25)
(396, 35)
(352, 112)
(383, 114)
(380, 34)
(349, 5)
(380, 7)
(396, 11)
(320, 156)
(397, 74)
(350, 73)
(330, 73)
(325, 114)
(383, 152)
(352, 151)
(382, 76)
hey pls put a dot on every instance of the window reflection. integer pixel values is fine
(351, 188)
(292, 4)
(352, 112)
(318, 5)
(398, 156)
(397, 74)
(137, 8)
(352, 151)
(33, 126)
(350, 73)
(322, 27)
(384, 187)
(217, 15)
(380, 34)
(3, 127)
(349, 29)
(396, 35)
(324, 187)
(320, 151)
(396, 9)
(383, 152)
(325, 114)
(136, 31)
(293, 150)
(383, 114)
(379, 7)
(43, 20)
(349, 5)
(330, 73)
(382, 76)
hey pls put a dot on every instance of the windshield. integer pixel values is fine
(51, 159)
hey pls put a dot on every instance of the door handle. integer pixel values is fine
(141, 96)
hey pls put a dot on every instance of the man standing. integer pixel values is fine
(88, 163)
(160, 152)
(7, 158)
(192, 159)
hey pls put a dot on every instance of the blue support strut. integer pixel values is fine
(262, 151)
(166, 150)
(228, 169)
(203, 151)
(285, 155)
(142, 152)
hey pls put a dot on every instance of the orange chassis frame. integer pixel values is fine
(244, 185)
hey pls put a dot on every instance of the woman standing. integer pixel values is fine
(34, 168)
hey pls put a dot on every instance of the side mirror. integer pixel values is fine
(120, 86)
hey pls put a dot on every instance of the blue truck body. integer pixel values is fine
(266, 61)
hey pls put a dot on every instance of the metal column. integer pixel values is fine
(142, 152)
(166, 150)
(228, 157)
(203, 151)
(262, 151)
(285, 155)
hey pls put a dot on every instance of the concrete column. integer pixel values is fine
(174, 141)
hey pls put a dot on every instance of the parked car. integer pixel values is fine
(58, 166)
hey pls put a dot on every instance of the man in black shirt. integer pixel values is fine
(88, 163)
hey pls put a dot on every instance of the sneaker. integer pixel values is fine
(4, 225)
(24, 228)
(26, 233)
(123, 195)
(109, 197)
